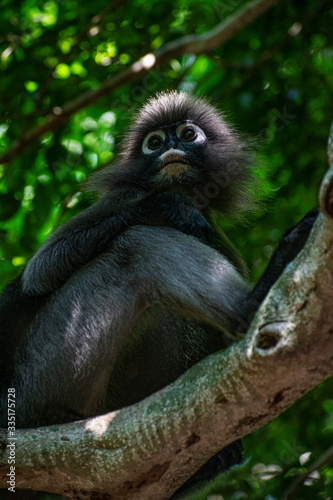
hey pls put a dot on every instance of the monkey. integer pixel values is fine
(130, 293)
(130, 179)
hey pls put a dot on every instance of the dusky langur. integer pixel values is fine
(130, 293)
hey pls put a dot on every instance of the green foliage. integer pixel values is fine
(274, 79)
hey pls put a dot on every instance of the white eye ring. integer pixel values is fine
(145, 148)
(200, 134)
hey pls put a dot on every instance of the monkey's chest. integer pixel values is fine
(162, 347)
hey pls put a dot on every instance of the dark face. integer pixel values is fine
(181, 143)
(176, 152)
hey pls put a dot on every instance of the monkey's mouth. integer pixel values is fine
(175, 165)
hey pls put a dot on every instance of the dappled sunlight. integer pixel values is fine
(145, 62)
(99, 425)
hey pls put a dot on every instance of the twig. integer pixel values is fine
(318, 464)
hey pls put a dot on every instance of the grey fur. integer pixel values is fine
(74, 345)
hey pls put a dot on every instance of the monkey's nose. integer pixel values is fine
(174, 157)
(171, 152)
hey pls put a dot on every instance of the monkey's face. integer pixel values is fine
(179, 142)
(175, 152)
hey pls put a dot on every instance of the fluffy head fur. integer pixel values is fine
(223, 175)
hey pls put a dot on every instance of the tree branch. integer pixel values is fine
(147, 450)
(196, 44)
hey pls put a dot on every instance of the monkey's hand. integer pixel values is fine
(91, 233)
(172, 210)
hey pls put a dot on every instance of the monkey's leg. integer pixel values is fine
(63, 368)
(292, 243)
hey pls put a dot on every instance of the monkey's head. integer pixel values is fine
(180, 142)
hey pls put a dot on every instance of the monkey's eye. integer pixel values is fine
(188, 134)
(154, 142)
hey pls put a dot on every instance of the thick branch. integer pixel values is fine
(146, 451)
(196, 44)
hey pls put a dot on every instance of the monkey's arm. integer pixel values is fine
(91, 232)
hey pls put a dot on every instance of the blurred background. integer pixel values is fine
(67, 92)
